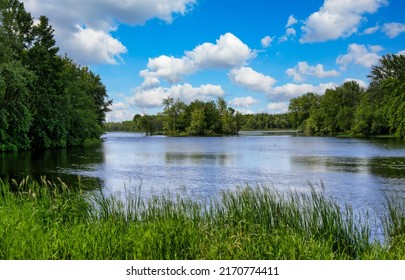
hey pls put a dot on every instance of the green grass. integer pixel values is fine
(45, 220)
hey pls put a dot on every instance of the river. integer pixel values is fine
(357, 172)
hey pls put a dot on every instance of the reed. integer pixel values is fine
(48, 220)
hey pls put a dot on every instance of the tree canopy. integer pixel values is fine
(348, 108)
(46, 101)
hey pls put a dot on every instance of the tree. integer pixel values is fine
(174, 115)
(197, 125)
(47, 101)
(390, 66)
(380, 109)
(16, 25)
(300, 108)
(15, 116)
(394, 109)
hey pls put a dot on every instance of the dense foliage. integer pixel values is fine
(378, 110)
(200, 119)
(46, 101)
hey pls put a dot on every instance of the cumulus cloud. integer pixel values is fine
(363, 55)
(119, 112)
(393, 29)
(401, 52)
(95, 46)
(244, 102)
(228, 52)
(371, 30)
(293, 90)
(95, 20)
(303, 69)
(170, 68)
(249, 78)
(337, 18)
(153, 97)
(291, 21)
(266, 41)
(290, 32)
(277, 107)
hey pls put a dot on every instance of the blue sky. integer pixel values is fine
(257, 54)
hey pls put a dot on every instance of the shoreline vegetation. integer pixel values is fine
(43, 220)
(348, 109)
(47, 101)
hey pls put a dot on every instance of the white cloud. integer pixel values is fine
(293, 90)
(371, 30)
(245, 102)
(393, 29)
(228, 52)
(291, 21)
(303, 69)
(247, 77)
(97, 19)
(291, 32)
(169, 68)
(282, 39)
(363, 55)
(119, 112)
(401, 52)
(95, 46)
(337, 18)
(277, 107)
(266, 41)
(153, 97)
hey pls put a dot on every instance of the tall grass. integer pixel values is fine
(46, 220)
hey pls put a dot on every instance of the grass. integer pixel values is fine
(47, 220)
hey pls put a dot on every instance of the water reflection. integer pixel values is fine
(197, 158)
(331, 164)
(66, 164)
(388, 167)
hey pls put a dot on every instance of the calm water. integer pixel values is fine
(354, 171)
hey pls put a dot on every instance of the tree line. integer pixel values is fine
(46, 101)
(180, 119)
(349, 108)
(200, 118)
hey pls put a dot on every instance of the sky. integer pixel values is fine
(256, 54)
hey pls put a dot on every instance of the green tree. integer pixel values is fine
(198, 125)
(16, 25)
(15, 116)
(174, 115)
(390, 66)
(300, 108)
(338, 107)
(380, 109)
(47, 101)
(83, 121)
(394, 89)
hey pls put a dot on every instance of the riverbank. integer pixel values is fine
(49, 220)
